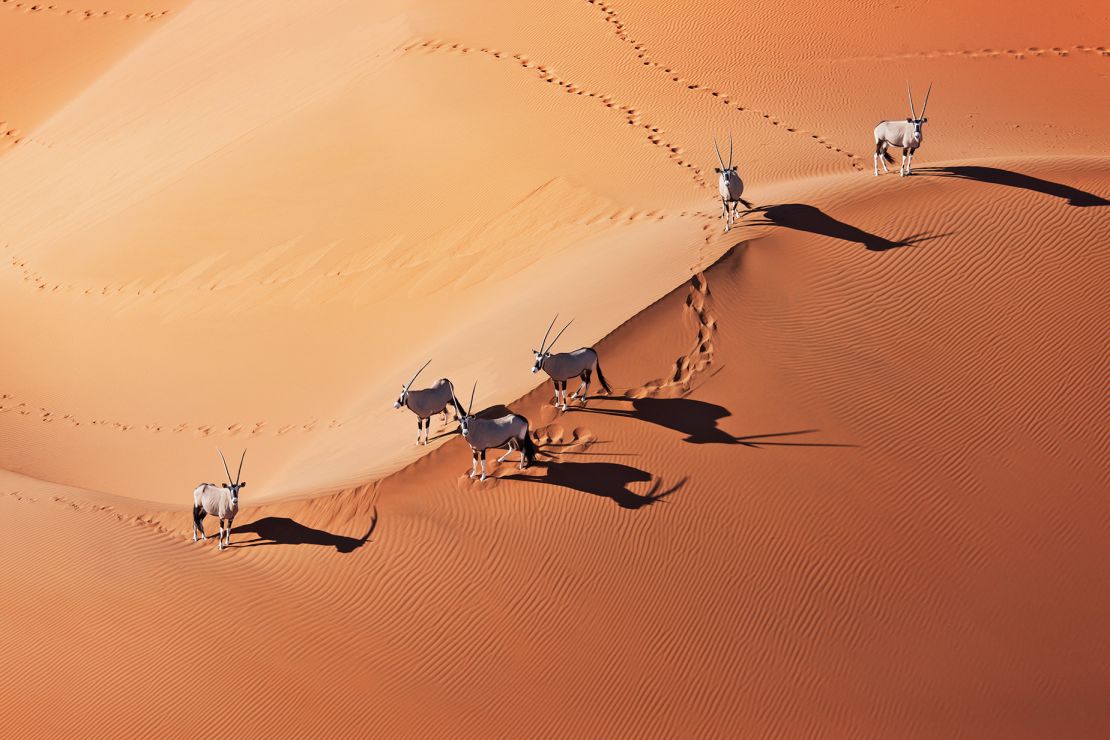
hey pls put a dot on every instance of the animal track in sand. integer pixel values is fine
(46, 8)
(621, 32)
(10, 405)
(632, 115)
(695, 362)
(555, 436)
(1033, 52)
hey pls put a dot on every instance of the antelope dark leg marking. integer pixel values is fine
(198, 521)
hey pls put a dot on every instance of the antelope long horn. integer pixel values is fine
(239, 474)
(225, 465)
(429, 362)
(730, 151)
(926, 103)
(556, 339)
(718, 153)
(910, 94)
(544, 340)
(471, 406)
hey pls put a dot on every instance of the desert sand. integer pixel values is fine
(853, 478)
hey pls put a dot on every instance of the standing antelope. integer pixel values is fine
(729, 185)
(581, 363)
(906, 134)
(426, 403)
(218, 501)
(510, 430)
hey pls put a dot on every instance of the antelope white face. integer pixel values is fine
(402, 398)
(464, 420)
(540, 357)
(726, 173)
(234, 489)
(917, 124)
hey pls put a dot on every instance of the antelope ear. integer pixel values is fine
(243, 484)
(717, 170)
(924, 120)
(909, 120)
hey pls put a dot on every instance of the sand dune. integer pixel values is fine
(851, 480)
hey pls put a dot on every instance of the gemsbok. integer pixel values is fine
(426, 403)
(220, 501)
(730, 186)
(906, 134)
(510, 430)
(581, 363)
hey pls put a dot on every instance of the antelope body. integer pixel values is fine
(581, 363)
(426, 403)
(510, 430)
(907, 135)
(729, 185)
(220, 501)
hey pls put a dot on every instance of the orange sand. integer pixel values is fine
(853, 481)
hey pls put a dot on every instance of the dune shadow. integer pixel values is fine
(280, 530)
(999, 176)
(606, 479)
(803, 217)
(698, 420)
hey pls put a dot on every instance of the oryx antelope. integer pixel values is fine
(510, 430)
(581, 363)
(221, 501)
(729, 185)
(906, 134)
(426, 403)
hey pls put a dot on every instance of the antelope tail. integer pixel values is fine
(529, 447)
(601, 378)
(880, 148)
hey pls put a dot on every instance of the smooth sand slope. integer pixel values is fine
(852, 482)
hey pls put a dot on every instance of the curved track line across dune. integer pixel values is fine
(43, 8)
(10, 405)
(620, 30)
(631, 114)
(1031, 52)
(130, 292)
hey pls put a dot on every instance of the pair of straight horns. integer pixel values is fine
(239, 473)
(909, 92)
(556, 339)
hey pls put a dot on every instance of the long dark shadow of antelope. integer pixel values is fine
(999, 176)
(610, 480)
(280, 530)
(698, 421)
(803, 217)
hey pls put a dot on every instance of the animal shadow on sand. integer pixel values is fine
(802, 217)
(998, 176)
(610, 480)
(280, 530)
(698, 421)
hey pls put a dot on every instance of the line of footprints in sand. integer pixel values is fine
(83, 14)
(146, 521)
(10, 405)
